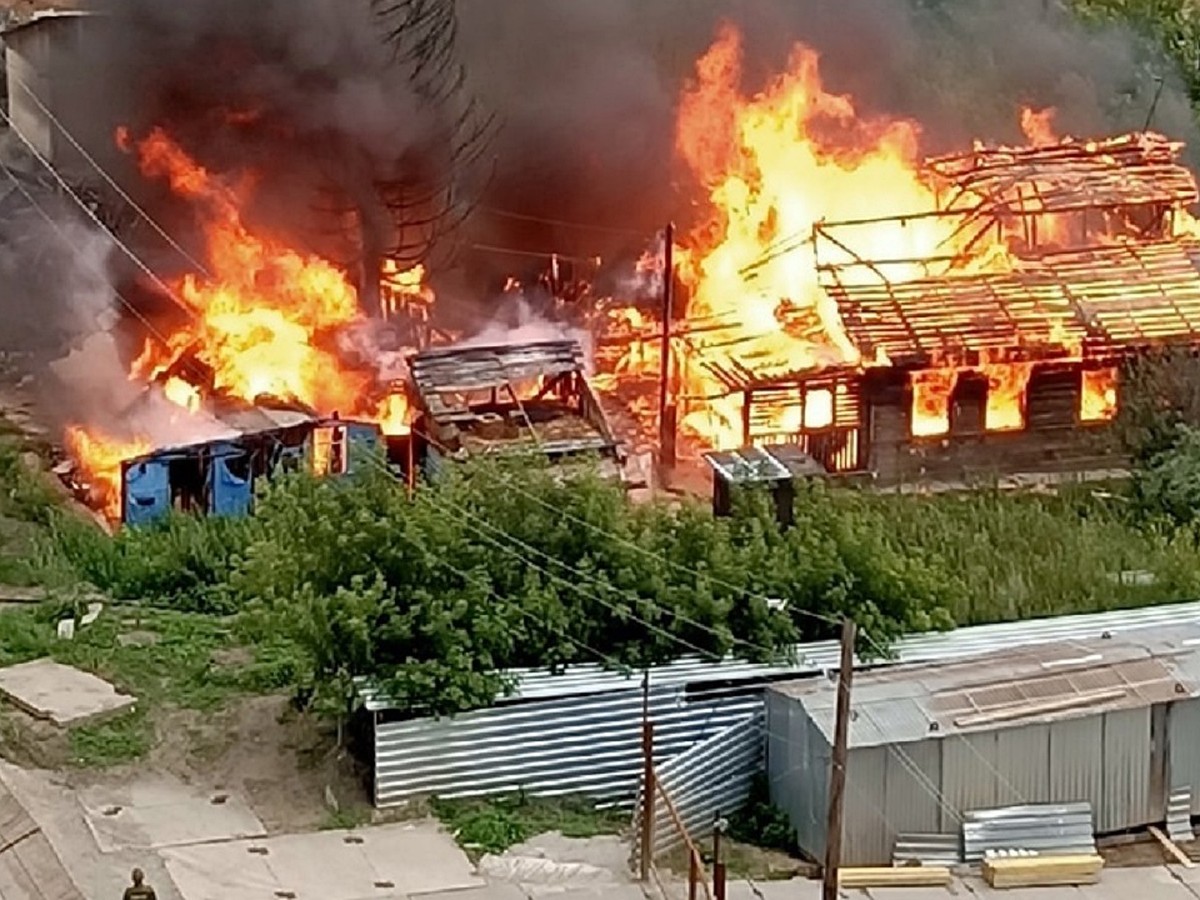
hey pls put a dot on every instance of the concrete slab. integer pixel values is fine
(62, 694)
(388, 861)
(793, 889)
(1157, 882)
(164, 813)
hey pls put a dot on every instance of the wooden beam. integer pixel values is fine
(1171, 847)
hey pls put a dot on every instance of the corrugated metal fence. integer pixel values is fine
(710, 779)
(576, 745)
(580, 732)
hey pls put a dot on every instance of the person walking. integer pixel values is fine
(139, 890)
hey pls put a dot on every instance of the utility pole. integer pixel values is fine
(648, 786)
(666, 403)
(837, 769)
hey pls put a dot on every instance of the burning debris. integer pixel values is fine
(516, 397)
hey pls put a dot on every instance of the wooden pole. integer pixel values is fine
(718, 865)
(666, 403)
(648, 785)
(837, 769)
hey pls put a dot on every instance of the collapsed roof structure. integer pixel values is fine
(1057, 263)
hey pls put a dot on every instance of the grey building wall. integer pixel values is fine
(49, 58)
(798, 769)
(924, 787)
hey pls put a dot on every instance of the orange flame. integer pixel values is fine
(931, 390)
(1098, 401)
(393, 414)
(775, 166)
(100, 458)
(1006, 395)
(261, 313)
(264, 318)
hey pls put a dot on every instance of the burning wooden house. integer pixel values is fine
(1002, 352)
(513, 398)
(217, 477)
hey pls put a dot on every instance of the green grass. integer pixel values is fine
(493, 825)
(1020, 555)
(123, 739)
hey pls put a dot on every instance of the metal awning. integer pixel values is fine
(763, 465)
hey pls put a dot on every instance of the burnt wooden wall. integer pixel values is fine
(1052, 441)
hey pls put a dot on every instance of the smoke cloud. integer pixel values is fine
(588, 90)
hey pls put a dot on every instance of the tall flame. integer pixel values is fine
(102, 456)
(262, 310)
(775, 165)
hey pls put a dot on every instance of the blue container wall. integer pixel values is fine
(147, 489)
(229, 494)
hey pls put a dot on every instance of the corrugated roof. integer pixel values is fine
(461, 369)
(1044, 682)
(1130, 294)
(822, 656)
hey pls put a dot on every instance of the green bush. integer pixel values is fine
(495, 567)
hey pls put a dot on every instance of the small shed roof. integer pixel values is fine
(463, 368)
(1009, 688)
(759, 465)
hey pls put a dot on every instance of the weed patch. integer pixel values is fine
(494, 824)
(113, 742)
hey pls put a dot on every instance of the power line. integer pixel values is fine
(537, 254)
(107, 178)
(633, 545)
(582, 226)
(133, 257)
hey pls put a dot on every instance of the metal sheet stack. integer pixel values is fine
(1046, 829)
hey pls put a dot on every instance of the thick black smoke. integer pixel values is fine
(587, 89)
(310, 95)
(353, 146)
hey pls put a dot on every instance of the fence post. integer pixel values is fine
(648, 782)
(718, 866)
(693, 875)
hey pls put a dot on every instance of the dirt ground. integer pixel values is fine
(289, 769)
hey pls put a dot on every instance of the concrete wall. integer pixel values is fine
(925, 786)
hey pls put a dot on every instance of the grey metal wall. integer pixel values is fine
(580, 731)
(1125, 800)
(585, 744)
(798, 769)
(1183, 749)
(925, 787)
